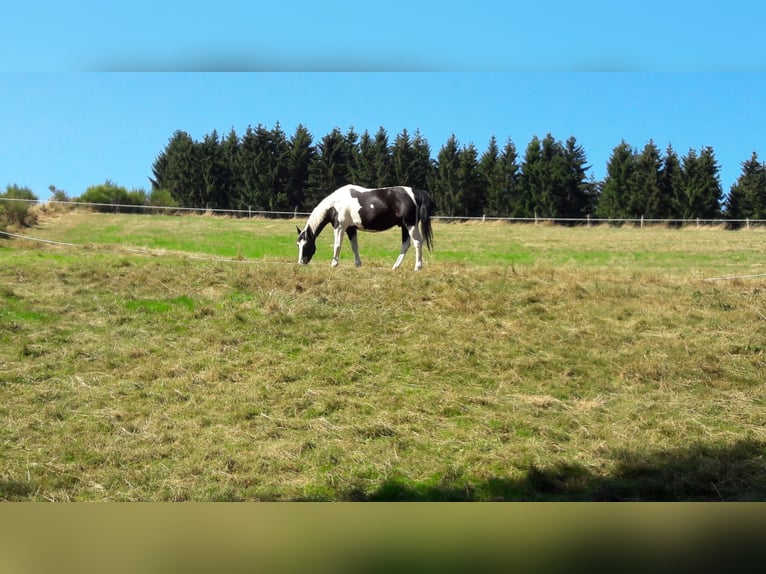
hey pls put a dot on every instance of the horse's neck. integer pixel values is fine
(319, 217)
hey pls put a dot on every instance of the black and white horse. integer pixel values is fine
(352, 207)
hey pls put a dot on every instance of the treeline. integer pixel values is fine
(267, 170)
(264, 169)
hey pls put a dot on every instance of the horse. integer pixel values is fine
(353, 207)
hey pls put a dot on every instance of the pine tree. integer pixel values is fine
(553, 181)
(279, 174)
(422, 167)
(254, 165)
(616, 191)
(580, 191)
(490, 170)
(331, 167)
(646, 199)
(363, 168)
(381, 160)
(701, 187)
(301, 154)
(177, 170)
(551, 184)
(230, 159)
(402, 158)
(529, 179)
(352, 152)
(446, 187)
(747, 197)
(509, 199)
(471, 182)
(670, 184)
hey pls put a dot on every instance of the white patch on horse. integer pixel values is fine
(410, 193)
(301, 244)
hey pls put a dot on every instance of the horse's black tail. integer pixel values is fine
(426, 208)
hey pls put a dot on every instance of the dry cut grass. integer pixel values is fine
(524, 363)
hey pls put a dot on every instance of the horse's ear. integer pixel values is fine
(299, 229)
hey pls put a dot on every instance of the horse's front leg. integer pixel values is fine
(337, 242)
(405, 247)
(351, 232)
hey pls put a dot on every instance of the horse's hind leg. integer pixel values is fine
(417, 240)
(405, 247)
(351, 232)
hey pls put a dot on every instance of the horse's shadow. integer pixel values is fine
(697, 473)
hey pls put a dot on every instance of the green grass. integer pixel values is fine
(523, 363)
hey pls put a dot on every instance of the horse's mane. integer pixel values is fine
(319, 216)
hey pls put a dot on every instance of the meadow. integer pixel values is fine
(169, 358)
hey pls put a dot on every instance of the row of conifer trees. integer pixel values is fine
(265, 169)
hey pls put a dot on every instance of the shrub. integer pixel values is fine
(162, 199)
(15, 206)
(108, 196)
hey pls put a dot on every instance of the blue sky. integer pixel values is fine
(93, 92)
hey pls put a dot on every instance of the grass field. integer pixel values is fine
(190, 358)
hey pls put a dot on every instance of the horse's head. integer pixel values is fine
(306, 245)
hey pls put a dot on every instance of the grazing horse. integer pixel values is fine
(352, 207)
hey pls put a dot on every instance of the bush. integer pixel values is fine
(15, 205)
(162, 199)
(109, 196)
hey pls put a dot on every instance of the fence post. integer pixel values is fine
(748, 223)
(642, 222)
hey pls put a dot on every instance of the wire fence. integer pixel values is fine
(748, 223)
(588, 220)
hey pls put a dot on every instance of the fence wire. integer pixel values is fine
(242, 213)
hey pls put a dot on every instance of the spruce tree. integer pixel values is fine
(471, 182)
(214, 174)
(422, 167)
(490, 171)
(446, 188)
(402, 158)
(553, 180)
(615, 197)
(530, 178)
(301, 153)
(580, 192)
(646, 198)
(363, 166)
(701, 187)
(176, 169)
(509, 168)
(670, 184)
(381, 160)
(231, 162)
(255, 168)
(331, 167)
(747, 196)
(551, 184)
(279, 169)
